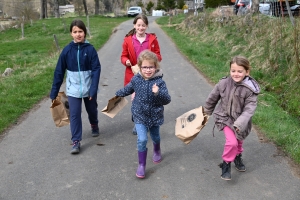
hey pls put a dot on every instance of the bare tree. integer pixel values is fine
(42, 13)
(108, 5)
(46, 8)
(102, 7)
(85, 7)
(78, 6)
(56, 9)
(255, 6)
(63, 2)
(97, 7)
(43, 9)
(25, 10)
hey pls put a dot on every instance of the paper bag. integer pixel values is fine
(60, 110)
(135, 69)
(115, 105)
(190, 124)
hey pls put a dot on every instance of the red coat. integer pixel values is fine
(128, 53)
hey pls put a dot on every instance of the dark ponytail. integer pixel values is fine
(131, 32)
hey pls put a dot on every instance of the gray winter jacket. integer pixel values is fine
(237, 104)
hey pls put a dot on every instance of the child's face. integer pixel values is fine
(140, 27)
(77, 34)
(148, 68)
(238, 72)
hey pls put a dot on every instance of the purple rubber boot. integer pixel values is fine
(156, 158)
(140, 172)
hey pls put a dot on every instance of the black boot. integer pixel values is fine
(239, 165)
(226, 170)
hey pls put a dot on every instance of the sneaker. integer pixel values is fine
(239, 165)
(134, 131)
(226, 171)
(95, 131)
(75, 147)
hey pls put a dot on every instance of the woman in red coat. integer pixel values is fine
(134, 43)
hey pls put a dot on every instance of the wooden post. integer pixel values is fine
(290, 13)
(88, 22)
(64, 22)
(56, 43)
(88, 30)
(22, 28)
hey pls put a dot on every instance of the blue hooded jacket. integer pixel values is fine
(82, 64)
(147, 107)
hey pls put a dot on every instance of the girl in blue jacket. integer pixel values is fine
(80, 60)
(151, 94)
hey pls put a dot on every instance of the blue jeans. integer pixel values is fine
(75, 105)
(142, 137)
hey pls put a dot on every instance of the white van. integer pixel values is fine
(134, 11)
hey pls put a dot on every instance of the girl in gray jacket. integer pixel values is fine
(237, 98)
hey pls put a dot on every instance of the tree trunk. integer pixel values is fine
(85, 7)
(97, 7)
(45, 8)
(56, 9)
(42, 13)
(255, 6)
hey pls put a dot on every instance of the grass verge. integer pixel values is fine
(33, 59)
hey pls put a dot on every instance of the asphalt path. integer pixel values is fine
(35, 159)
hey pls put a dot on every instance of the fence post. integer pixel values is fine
(22, 28)
(88, 21)
(56, 42)
(290, 13)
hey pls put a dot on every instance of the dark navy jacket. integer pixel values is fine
(147, 107)
(82, 64)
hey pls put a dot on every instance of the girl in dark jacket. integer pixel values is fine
(151, 94)
(237, 97)
(80, 60)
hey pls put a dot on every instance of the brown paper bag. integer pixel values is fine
(115, 105)
(135, 69)
(190, 124)
(60, 110)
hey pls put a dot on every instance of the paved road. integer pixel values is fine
(35, 162)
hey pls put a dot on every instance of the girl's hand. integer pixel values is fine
(90, 98)
(155, 88)
(236, 129)
(128, 63)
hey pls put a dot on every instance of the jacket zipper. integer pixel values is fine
(79, 71)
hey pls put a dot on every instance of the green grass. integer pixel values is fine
(33, 59)
(210, 46)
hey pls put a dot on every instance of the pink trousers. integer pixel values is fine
(232, 146)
